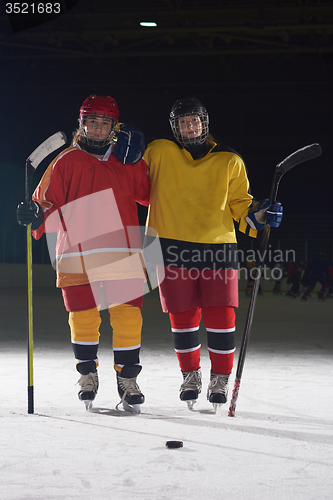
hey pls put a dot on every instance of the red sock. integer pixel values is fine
(189, 361)
(185, 333)
(221, 364)
(220, 326)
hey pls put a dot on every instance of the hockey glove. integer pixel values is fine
(30, 213)
(274, 214)
(264, 211)
(130, 144)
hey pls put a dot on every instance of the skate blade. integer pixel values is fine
(88, 404)
(191, 403)
(132, 408)
(216, 406)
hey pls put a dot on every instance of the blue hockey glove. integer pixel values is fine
(130, 144)
(30, 213)
(264, 211)
(274, 214)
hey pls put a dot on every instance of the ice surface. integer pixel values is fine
(278, 446)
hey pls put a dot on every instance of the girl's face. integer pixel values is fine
(190, 126)
(97, 127)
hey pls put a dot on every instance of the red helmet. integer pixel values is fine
(100, 106)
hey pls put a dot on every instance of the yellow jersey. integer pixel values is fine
(196, 200)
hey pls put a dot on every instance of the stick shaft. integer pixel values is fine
(253, 299)
(30, 323)
(252, 303)
(26, 185)
(234, 397)
(29, 304)
(248, 322)
(47, 147)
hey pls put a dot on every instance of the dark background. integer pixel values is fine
(263, 69)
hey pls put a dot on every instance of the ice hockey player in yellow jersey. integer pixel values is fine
(197, 192)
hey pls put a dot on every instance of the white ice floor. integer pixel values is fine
(279, 446)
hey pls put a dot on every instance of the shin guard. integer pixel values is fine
(126, 322)
(84, 327)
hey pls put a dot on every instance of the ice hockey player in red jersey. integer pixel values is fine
(197, 192)
(88, 196)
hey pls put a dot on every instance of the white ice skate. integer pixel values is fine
(190, 388)
(217, 392)
(128, 389)
(89, 388)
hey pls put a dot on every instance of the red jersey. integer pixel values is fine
(91, 204)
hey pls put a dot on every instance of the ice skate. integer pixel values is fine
(190, 388)
(217, 390)
(89, 388)
(128, 389)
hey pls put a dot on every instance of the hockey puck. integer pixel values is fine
(174, 444)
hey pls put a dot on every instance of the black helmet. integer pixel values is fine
(189, 107)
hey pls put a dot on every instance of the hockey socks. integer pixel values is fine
(126, 322)
(221, 337)
(185, 334)
(84, 327)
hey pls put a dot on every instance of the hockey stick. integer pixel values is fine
(39, 154)
(299, 156)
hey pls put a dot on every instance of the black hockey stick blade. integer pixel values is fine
(300, 156)
(47, 147)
